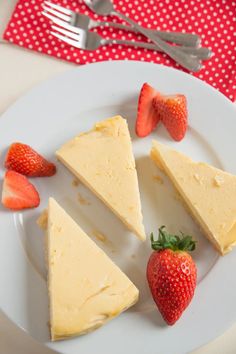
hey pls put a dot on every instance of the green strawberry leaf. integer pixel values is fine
(174, 242)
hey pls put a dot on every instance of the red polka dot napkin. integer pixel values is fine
(213, 20)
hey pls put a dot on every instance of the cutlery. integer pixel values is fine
(86, 23)
(87, 40)
(105, 7)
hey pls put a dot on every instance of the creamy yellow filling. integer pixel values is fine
(86, 289)
(103, 160)
(208, 192)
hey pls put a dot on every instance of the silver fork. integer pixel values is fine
(85, 22)
(105, 7)
(87, 40)
(200, 53)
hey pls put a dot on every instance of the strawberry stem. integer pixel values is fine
(174, 242)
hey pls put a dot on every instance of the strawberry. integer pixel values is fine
(171, 274)
(147, 118)
(18, 193)
(173, 113)
(23, 159)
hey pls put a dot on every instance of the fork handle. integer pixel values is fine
(187, 61)
(201, 53)
(186, 39)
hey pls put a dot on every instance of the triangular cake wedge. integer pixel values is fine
(86, 289)
(103, 160)
(209, 193)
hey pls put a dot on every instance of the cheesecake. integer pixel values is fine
(86, 289)
(208, 192)
(103, 160)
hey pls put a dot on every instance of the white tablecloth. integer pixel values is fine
(19, 71)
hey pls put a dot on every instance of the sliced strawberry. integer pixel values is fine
(147, 118)
(18, 193)
(23, 159)
(172, 111)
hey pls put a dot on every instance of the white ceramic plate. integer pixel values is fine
(59, 109)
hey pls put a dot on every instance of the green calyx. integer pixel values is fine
(173, 242)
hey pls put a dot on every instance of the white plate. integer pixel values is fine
(56, 111)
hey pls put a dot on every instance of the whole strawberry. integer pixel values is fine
(23, 159)
(171, 274)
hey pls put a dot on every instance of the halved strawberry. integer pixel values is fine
(18, 193)
(23, 159)
(147, 117)
(172, 111)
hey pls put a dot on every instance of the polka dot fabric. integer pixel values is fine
(213, 20)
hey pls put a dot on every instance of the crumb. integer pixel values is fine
(198, 178)
(57, 228)
(158, 179)
(218, 181)
(42, 220)
(113, 251)
(177, 196)
(222, 226)
(133, 256)
(99, 236)
(82, 200)
(75, 182)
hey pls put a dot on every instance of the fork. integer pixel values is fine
(87, 40)
(105, 7)
(85, 22)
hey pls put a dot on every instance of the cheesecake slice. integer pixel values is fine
(103, 160)
(86, 289)
(209, 193)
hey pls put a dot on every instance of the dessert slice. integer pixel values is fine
(209, 193)
(86, 289)
(103, 160)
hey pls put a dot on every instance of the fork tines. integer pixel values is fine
(73, 36)
(56, 13)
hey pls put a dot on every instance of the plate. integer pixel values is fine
(59, 109)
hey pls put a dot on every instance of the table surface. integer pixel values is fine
(20, 70)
